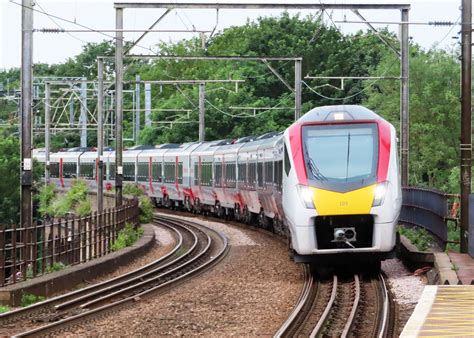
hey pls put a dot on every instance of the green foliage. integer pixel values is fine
(28, 299)
(10, 182)
(126, 237)
(454, 267)
(74, 201)
(57, 266)
(145, 205)
(418, 237)
(132, 189)
(453, 237)
(46, 196)
(4, 308)
(434, 115)
(146, 209)
(84, 208)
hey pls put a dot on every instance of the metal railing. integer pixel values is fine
(33, 251)
(429, 209)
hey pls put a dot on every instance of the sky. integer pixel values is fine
(100, 14)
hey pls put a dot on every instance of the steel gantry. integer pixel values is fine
(317, 5)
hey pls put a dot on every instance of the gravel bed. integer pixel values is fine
(250, 293)
(406, 289)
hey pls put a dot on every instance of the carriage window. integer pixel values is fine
(287, 162)
(86, 170)
(278, 174)
(70, 170)
(268, 166)
(252, 174)
(180, 172)
(143, 168)
(156, 171)
(170, 172)
(206, 174)
(196, 173)
(230, 175)
(54, 170)
(242, 172)
(260, 174)
(129, 171)
(217, 174)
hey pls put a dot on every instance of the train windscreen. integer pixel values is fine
(341, 154)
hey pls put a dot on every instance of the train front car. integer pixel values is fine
(341, 186)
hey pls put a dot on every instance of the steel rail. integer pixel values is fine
(40, 307)
(135, 297)
(150, 280)
(350, 320)
(320, 325)
(91, 296)
(384, 324)
(288, 325)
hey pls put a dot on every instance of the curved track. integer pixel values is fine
(197, 247)
(340, 306)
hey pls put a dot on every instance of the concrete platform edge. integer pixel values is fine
(422, 310)
(73, 276)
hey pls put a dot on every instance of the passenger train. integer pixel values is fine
(330, 182)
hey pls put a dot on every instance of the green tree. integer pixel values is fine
(434, 114)
(10, 182)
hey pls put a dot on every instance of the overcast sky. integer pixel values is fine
(100, 14)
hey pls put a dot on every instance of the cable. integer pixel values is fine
(57, 24)
(80, 25)
(449, 32)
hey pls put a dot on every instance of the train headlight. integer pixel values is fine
(306, 195)
(379, 194)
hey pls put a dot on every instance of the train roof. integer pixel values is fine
(339, 113)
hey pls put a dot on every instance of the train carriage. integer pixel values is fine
(330, 182)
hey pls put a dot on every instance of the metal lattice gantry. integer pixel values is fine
(317, 5)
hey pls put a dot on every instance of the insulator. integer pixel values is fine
(51, 30)
(441, 23)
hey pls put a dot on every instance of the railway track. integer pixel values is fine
(343, 306)
(197, 248)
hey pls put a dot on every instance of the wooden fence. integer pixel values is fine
(33, 251)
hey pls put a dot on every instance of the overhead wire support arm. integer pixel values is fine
(145, 33)
(274, 71)
(377, 33)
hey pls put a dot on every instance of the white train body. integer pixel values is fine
(330, 182)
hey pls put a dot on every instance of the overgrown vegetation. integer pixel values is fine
(145, 205)
(28, 299)
(4, 308)
(126, 237)
(453, 237)
(74, 201)
(57, 266)
(418, 237)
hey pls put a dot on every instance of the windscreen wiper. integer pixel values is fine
(315, 171)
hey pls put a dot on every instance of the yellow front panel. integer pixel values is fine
(354, 202)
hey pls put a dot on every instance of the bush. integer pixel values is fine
(146, 209)
(418, 236)
(46, 196)
(4, 308)
(126, 237)
(145, 205)
(55, 267)
(84, 208)
(74, 201)
(28, 299)
(132, 189)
